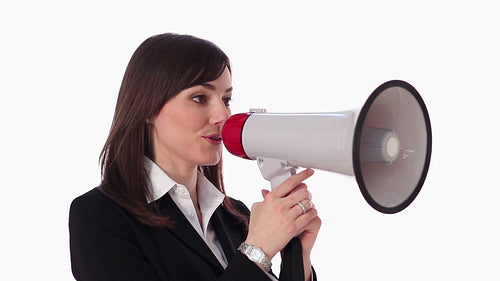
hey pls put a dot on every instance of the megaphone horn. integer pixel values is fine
(386, 144)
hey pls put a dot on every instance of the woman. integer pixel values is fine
(161, 212)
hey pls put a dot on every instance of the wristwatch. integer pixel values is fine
(255, 254)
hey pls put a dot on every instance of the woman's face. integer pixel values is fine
(187, 130)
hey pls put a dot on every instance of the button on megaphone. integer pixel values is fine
(386, 144)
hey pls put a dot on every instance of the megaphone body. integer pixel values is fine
(386, 144)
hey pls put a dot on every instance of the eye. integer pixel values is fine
(227, 100)
(202, 99)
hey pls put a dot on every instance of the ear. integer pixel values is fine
(151, 120)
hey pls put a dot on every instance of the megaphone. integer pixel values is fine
(386, 144)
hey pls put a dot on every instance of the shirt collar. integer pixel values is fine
(161, 183)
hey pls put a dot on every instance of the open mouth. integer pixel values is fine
(215, 139)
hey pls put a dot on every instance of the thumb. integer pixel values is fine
(264, 193)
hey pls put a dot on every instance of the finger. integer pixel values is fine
(303, 220)
(300, 223)
(312, 227)
(264, 193)
(303, 207)
(289, 184)
(299, 194)
(299, 187)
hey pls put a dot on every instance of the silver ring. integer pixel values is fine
(304, 210)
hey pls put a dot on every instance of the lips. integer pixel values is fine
(214, 139)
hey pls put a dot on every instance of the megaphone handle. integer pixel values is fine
(275, 171)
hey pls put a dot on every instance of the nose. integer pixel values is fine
(220, 114)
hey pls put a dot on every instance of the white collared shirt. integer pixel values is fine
(209, 198)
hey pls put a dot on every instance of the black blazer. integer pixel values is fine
(108, 243)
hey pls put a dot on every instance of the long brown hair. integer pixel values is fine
(161, 67)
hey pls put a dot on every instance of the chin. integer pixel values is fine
(210, 158)
(210, 161)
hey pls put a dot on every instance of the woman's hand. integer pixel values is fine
(279, 218)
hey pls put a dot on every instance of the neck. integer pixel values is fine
(187, 175)
(180, 171)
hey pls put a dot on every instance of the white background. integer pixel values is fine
(61, 65)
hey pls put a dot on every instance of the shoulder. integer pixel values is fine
(92, 201)
(95, 208)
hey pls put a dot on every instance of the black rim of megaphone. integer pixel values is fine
(357, 140)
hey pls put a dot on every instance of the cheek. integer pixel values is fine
(181, 123)
(188, 121)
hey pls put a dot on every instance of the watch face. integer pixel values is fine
(255, 254)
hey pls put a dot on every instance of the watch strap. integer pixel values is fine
(263, 260)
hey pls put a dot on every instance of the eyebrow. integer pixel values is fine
(212, 87)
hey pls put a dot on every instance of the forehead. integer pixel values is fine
(224, 82)
(225, 77)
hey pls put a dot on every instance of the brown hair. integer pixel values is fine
(161, 67)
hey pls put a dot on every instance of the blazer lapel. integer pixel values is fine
(229, 232)
(183, 230)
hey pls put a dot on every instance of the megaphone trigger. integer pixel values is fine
(275, 171)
